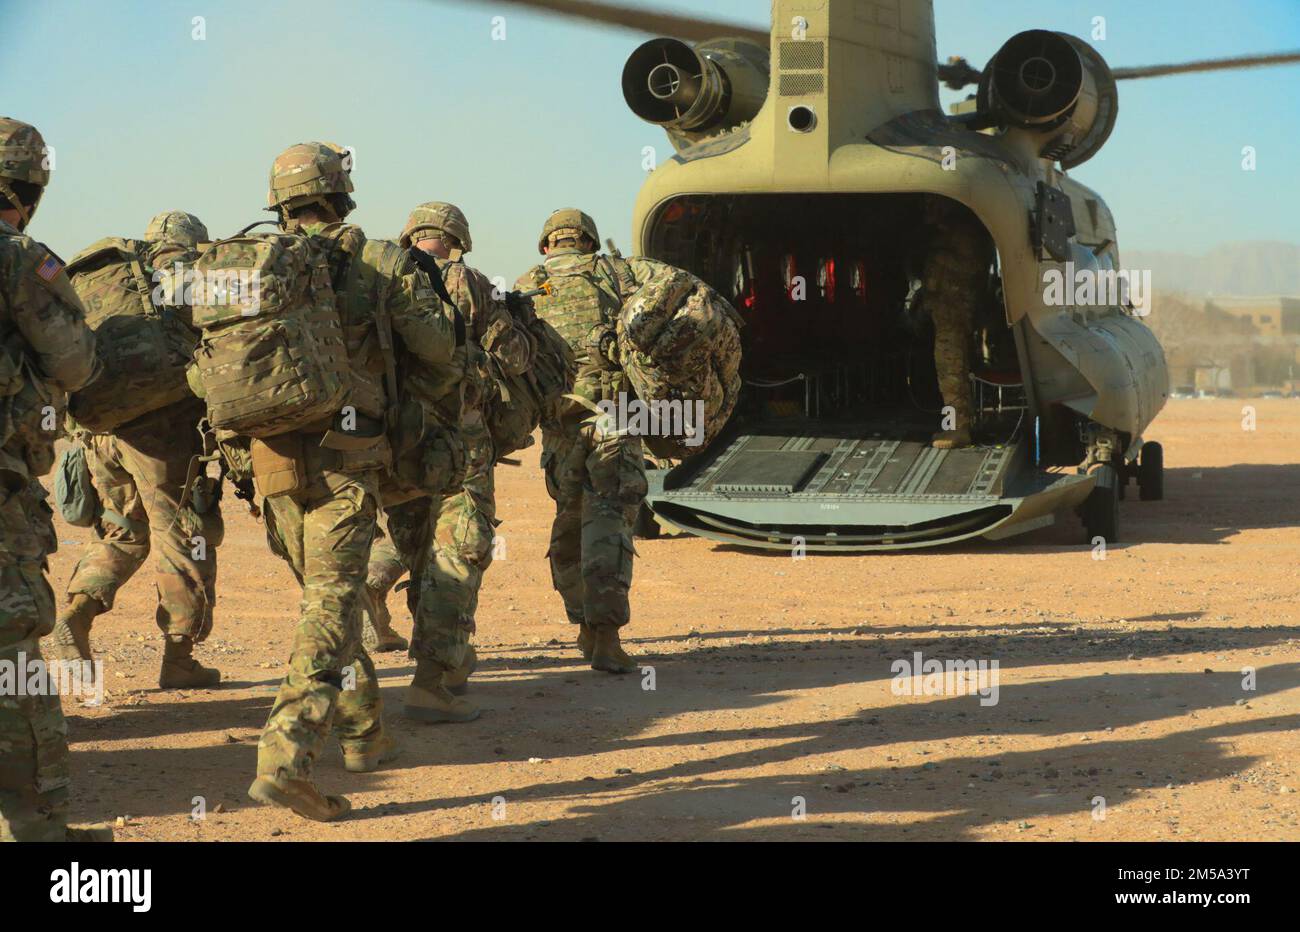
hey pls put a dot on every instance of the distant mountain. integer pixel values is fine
(1246, 269)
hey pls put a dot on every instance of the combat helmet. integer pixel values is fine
(23, 157)
(307, 173)
(178, 228)
(567, 222)
(440, 217)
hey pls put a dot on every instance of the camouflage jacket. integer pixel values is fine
(46, 351)
(588, 293)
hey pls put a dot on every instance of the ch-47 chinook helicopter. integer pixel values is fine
(807, 157)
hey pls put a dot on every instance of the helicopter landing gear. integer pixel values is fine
(1100, 510)
(1151, 472)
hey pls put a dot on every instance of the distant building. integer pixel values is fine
(1272, 316)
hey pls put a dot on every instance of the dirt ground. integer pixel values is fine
(1121, 712)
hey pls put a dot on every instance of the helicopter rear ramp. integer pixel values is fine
(843, 488)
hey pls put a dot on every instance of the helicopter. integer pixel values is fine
(806, 160)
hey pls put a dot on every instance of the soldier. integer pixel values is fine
(45, 349)
(447, 544)
(324, 529)
(953, 276)
(596, 479)
(139, 471)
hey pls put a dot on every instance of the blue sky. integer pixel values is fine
(144, 118)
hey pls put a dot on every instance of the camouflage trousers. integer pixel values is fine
(324, 533)
(447, 548)
(34, 776)
(139, 474)
(953, 275)
(597, 483)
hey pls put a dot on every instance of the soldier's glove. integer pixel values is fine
(518, 305)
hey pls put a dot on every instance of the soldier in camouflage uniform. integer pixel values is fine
(139, 471)
(597, 479)
(325, 528)
(46, 350)
(447, 545)
(953, 276)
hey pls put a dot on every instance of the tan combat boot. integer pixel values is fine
(457, 681)
(377, 634)
(99, 831)
(179, 668)
(299, 795)
(951, 439)
(586, 640)
(427, 699)
(368, 757)
(607, 652)
(70, 639)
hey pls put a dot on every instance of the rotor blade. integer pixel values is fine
(657, 23)
(1216, 64)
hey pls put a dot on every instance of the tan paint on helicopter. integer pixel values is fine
(879, 66)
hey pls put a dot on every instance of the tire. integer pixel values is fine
(1151, 472)
(1100, 510)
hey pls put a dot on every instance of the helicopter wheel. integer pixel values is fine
(1100, 511)
(1151, 472)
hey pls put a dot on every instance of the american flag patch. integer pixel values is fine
(49, 268)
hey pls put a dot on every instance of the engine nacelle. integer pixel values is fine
(693, 91)
(1055, 85)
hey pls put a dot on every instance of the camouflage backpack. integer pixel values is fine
(679, 341)
(424, 404)
(271, 358)
(142, 345)
(522, 401)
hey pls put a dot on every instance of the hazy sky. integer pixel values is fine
(143, 117)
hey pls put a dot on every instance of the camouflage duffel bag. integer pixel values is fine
(143, 348)
(679, 341)
(271, 358)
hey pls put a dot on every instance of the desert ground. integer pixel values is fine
(1123, 710)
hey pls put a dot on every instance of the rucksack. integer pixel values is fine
(424, 406)
(143, 347)
(522, 401)
(271, 358)
(679, 341)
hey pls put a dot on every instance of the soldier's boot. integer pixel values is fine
(70, 639)
(179, 668)
(428, 700)
(951, 439)
(586, 640)
(99, 831)
(368, 757)
(607, 652)
(301, 796)
(457, 681)
(960, 436)
(377, 634)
